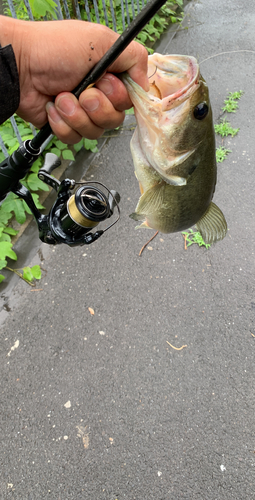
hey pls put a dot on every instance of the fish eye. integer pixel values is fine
(201, 111)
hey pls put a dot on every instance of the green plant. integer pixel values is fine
(28, 274)
(89, 144)
(152, 30)
(221, 154)
(231, 104)
(130, 111)
(158, 23)
(39, 8)
(224, 129)
(5, 251)
(194, 237)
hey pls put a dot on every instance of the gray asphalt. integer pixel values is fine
(97, 407)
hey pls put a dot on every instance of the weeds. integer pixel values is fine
(221, 154)
(191, 237)
(224, 129)
(231, 104)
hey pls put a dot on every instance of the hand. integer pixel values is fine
(53, 57)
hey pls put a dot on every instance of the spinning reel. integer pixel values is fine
(73, 215)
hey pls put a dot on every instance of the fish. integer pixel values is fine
(173, 149)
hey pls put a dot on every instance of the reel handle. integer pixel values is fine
(51, 161)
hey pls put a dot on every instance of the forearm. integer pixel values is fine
(9, 78)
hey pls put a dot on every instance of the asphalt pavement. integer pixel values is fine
(100, 406)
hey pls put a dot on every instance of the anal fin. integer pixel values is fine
(140, 217)
(212, 225)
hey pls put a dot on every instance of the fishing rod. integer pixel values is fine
(72, 216)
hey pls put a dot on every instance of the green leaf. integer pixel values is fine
(236, 95)
(26, 208)
(221, 154)
(78, 146)
(14, 204)
(5, 215)
(41, 7)
(68, 154)
(6, 251)
(35, 184)
(91, 145)
(11, 231)
(193, 237)
(11, 142)
(60, 145)
(3, 263)
(5, 237)
(36, 272)
(224, 129)
(36, 165)
(230, 106)
(1, 278)
(19, 212)
(56, 151)
(142, 37)
(37, 203)
(7, 137)
(27, 274)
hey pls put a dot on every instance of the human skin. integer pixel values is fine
(53, 57)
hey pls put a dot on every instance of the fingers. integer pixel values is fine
(97, 109)
(115, 91)
(59, 127)
(134, 60)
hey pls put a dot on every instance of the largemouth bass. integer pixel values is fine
(173, 149)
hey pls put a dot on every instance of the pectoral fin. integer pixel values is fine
(149, 206)
(212, 225)
(137, 217)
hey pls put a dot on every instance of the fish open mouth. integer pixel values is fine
(172, 78)
(162, 114)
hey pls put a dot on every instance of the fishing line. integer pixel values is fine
(110, 194)
(228, 52)
(153, 73)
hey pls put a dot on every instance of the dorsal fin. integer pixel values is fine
(212, 225)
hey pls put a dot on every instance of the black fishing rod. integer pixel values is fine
(72, 215)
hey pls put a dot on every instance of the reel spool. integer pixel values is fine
(84, 210)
